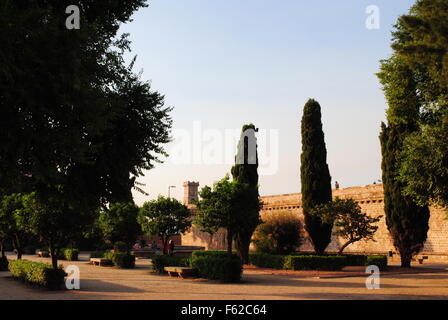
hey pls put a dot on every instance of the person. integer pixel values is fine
(336, 185)
(171, 247)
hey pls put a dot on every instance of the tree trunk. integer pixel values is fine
(345, 246)
(406, 258)
(18, 247)
(229, 244)
(242, 246)
(2, 248)
(54, 256)
(165, 244)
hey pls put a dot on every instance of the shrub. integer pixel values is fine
(119, 259)
(264, 260)
(70, 254)
(97, 254)
(216, 267)
(37, 273)
(356, 260)
(377, 260)
(309, 262)
(3, 263)
(159, 262)
(278, 234)
(212, 253)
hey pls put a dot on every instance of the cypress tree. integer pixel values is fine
(315, 176)
(245, 171)
(406, 221)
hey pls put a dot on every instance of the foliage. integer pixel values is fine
(37, 273)
(223, 207)
(119, 223)
(97, 254)
(421, 48)
(120, 246)
(71, 254)
(164, 217)
(310, 262)
(314, 175)
(3, 263)
(120, 259)
(351, 223)
(278, 234)
(378, 260)
(245, 170)
(159, 262)
(220, 268)
(212, 253)
(266, 260)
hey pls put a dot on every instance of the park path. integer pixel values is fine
(98, 283)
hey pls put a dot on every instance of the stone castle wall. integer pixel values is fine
(371, 200)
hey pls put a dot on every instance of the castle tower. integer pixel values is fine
(190, 192)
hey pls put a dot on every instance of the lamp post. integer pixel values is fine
(169, 188)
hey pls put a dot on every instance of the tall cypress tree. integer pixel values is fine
(245, 171)
(406, 221)
(315, 176)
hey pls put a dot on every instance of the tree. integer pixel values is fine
(278, 234)
(406, 221)
(13, 222)
(222, 207)
(420, 42)
(245, 171)
(164, 217)
(315, 176)
(119, 223)
(351, 223)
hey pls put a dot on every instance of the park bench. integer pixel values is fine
(43, 254)
(181, 272)
(421, 259)
(100, 262)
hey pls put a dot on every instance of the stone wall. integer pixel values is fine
(371, 200)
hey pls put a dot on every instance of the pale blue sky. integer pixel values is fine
(229, 62)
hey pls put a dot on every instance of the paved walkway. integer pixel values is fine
(110, 283)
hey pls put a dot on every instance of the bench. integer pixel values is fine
(43, 254)
(100, 262)
(181, 272)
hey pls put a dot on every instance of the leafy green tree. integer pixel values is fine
(13, 222)
(315, 176)
(222, 207)
(278, 234)
(164, 217)
(351, 223)
(420, 42)
(245, 170)
(119, 223)
(406, 221)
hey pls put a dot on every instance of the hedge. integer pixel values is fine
(119, 259)
(159, 262)
(265, 260)
(217, 267)
(70, 254)
(3, 264)
(356, 259)
(214, 253)
(37, 273)
(314, 262)
(378, 260)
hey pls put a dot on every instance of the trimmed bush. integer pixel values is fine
(161, 261)
(264, 260)
(37, 273)
(97, 254)
(314, 262)
(212, 253)
(356, 260)
(278, 234)
(377, 260)
(120, 246)
(119, 259)
(3, 263)
(71, 254)
(216, 267)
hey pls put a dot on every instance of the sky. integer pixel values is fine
(224, 63)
